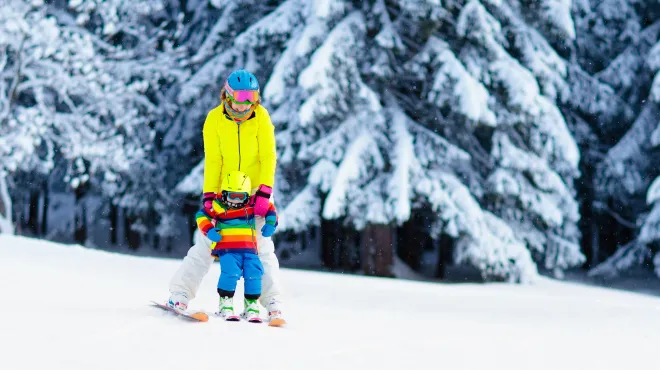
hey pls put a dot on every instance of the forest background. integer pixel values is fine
(491, 140)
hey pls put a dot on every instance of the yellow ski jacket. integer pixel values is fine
(248, 147)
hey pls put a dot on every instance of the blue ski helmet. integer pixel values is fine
(242, 80)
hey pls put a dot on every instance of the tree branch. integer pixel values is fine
(15, 83)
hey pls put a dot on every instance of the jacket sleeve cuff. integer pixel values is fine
(264, 191)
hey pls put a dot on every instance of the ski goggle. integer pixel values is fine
(242, 96)
(234, 196)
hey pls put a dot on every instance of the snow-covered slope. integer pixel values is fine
(66, 307)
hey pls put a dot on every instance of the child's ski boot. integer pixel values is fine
(251, 312)
(226, 309)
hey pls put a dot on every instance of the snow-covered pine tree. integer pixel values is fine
(343, 122)
(81, 101)
(626, 173)
(450, 113)
(367, 171)
(496, 79)
(145, 48)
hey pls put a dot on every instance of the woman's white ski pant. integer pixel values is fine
(198, 261)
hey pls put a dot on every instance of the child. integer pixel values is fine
(231, 226)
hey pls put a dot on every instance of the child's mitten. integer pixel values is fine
(268, 230)
(214, 235)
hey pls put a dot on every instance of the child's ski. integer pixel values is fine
(195, 316)
(227, 318)
(255, 320)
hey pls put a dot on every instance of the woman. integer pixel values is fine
(238, 136)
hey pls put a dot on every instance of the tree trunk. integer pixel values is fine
(445, 252)
(588, 215)
(348, 255)
(190, 208)
(45, 205)
(594, 259)
(330, 243)
(132, 237)
(411, 240)
(33, 213)
(377, 250)
(6, 224)
(114, 222)
(80, 218)
(151, 221)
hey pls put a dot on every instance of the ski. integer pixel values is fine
(277, 322)
(255, 320)
(194, 316)
(231, 317)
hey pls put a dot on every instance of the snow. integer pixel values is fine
(620, 171)
(329, 8)
(453, 85)
(6, 224)
(650, 231)
(300, 213)
(653, 194)
(655, 89)
(193, 182)
(94, 314)
(219, 4)
(338, 42)
(653, 58)
(216, 35)
(519, 84)
(558, 14)
(275, 26)
(275, 91)
(354, 168)
(388, 37)
(655, 136)
(537, 55)
(475, 23)
(403, 160)
(213, 71)
(624, 258)
(323, 175)
(551, 138)
(542, 177)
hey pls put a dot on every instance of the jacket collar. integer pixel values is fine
(224, 111)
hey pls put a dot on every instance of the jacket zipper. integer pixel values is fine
(239, 146)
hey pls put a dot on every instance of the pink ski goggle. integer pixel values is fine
(242, 96)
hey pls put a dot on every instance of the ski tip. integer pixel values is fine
(277, 323)
(201, 316)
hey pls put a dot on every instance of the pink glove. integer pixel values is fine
(261, 200)
(207, 200)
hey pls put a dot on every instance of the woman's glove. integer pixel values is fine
(268, 230)
(261, 200)
(214, 235)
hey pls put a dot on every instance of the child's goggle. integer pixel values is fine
(242, 96)
(237, 196)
